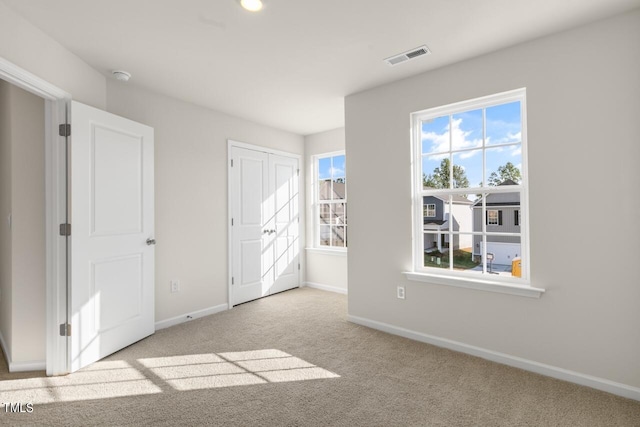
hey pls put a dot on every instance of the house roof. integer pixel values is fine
(434, 222)
(325, 190)
(457, 199)
(478, 202)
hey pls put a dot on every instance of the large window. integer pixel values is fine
(331, 201)
(472, 156)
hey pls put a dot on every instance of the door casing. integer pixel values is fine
(56, 112)
(301, 235)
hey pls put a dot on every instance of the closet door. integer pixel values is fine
(284, 179)
(264, 224)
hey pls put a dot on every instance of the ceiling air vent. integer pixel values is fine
(405, 56)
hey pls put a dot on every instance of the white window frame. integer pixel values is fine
(502, 284)
(429, 209)
(317, 247)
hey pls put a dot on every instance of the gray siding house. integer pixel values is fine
(502, 215)
(438, 220)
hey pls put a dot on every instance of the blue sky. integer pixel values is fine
(331, 167)
(503, 126)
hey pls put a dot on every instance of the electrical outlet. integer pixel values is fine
(175, 286)
(401, 292)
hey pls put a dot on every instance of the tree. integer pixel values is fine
(504, 173)
(440, 176)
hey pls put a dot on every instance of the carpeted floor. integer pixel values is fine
(293, 360)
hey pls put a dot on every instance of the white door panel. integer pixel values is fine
(264, 238)
(285, 189)
(249, 184)
(112, 266)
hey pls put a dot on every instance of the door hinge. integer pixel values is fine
(298, 172)
(231, 162)
(64, 129)
(65, 229)
(298, 266)
(232, 222)
(65, 330)
(232, 281)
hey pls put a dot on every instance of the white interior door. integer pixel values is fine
(250, 206)
(265, 225)
(112, 247)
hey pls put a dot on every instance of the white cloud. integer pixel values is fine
(439, 142)
(469, 154)
(336, 171)
(514, 137)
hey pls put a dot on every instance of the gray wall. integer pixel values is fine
(325, 270)
(23, 244)
(31, 49)
(191, 191)
(583, 99)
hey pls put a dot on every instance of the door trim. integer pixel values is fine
(301, 200)
(56, 108)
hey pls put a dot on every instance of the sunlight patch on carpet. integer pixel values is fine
(118, 378)
(101, 380)
(203, 371)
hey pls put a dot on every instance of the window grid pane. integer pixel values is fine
(479, 150)
(331, 201)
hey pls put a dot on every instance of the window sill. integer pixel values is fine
(323, 251)
(479, 284)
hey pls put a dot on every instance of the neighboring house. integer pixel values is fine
(502, 216)
(332, 215)
(438, 221)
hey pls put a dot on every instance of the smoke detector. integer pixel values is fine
(123, 76)
(405, 56)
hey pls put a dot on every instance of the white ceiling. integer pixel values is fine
(290, 65)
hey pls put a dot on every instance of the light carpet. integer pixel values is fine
(293, 360)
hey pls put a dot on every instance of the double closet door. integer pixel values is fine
(264, 223)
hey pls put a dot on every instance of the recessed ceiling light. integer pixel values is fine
(121, 75)
(251, 5)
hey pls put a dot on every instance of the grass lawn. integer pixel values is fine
(462, 259)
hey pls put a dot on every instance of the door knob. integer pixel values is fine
(151, 241)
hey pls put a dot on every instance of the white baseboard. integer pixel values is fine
(27, 366)
(326, 287)
(603, 384)
(190, 316)
(38, 365)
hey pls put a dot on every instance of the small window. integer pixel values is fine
(494, 217)
(430, 210)
(331, 201)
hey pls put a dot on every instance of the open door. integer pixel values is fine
(111, 292)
